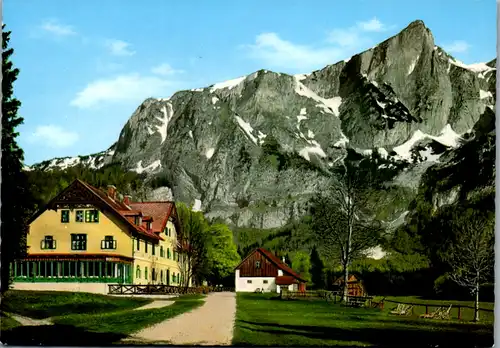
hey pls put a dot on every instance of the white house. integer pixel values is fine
(264, 271)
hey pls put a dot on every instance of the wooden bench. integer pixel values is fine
(358, 301)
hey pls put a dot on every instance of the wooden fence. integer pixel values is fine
(456, 310)
(152, 289)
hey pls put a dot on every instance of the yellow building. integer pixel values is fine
(86, 238)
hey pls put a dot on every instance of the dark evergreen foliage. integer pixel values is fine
(16, 199)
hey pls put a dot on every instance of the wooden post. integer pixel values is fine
(426, 309)
(459, 313)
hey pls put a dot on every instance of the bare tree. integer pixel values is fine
(471, 254)
(191, 244)
(342, 219)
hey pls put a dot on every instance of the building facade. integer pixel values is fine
(262, 270)
(86, 238)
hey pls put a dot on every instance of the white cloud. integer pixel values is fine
(130, 87)
(458, 46)
(165, 69)
(340, 44)
(119, 48)
(57, 29)
(275, 51)
(53, 136)
(372, 25)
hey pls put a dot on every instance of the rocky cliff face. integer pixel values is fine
(253, 150)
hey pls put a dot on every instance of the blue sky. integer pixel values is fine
(87, 65)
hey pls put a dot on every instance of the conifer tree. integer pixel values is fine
(15, 207)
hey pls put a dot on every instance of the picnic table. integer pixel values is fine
(358, 301)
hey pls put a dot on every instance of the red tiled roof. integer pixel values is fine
(130, 212)
(286, 280)
(276, 260)
(159, 211)
(280, 264)
(121, 209)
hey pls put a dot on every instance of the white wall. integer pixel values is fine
(291, 287)
(241, 283)
(96, 288)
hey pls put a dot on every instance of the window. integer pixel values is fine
(146, 273)
(173, 251)
(257, 264)
(264, 281)
(64, 216)
(138, 272)
(168, 253)
(146, 243)
(161, 276)
(153, 249)
(78, 242)
(249, 281)
(153, 274)
(79, 216)
(48, 243)
(149, 225)
(138, 244)
(173, 278)
(162, 252)
(92, 215)
(108, 243)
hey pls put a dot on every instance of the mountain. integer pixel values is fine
(255, 149)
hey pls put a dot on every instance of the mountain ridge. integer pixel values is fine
(266, 138)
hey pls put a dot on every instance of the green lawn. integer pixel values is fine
(97, 329)
(264, 321)
(128, 321)
(45, 304)
(7, 323)
(467, 313)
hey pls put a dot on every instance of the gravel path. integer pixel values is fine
(25, 321)
(155, 304)
(210, 324)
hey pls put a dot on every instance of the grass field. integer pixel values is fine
(45, 304)
(467, 313)
(92, 328)
(264, 321)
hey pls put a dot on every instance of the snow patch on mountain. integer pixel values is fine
(247, 129)
(312, 150)
(447, 137)
(230, 84)
(383, 152)
(210, 153)
(168, 113)
(485, 94)
(330, 105)
(153, 166)
(476, 67)
(196, 205)
(342, 142)
(412, 65)
(214, 100)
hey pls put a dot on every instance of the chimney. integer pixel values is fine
(283, 259)
(111, 191)
(127, 199)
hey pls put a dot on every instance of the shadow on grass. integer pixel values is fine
(57, 335)
(381, 337)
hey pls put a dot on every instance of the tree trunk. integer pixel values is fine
(346, 277)
(346, 260)
(476, 304)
